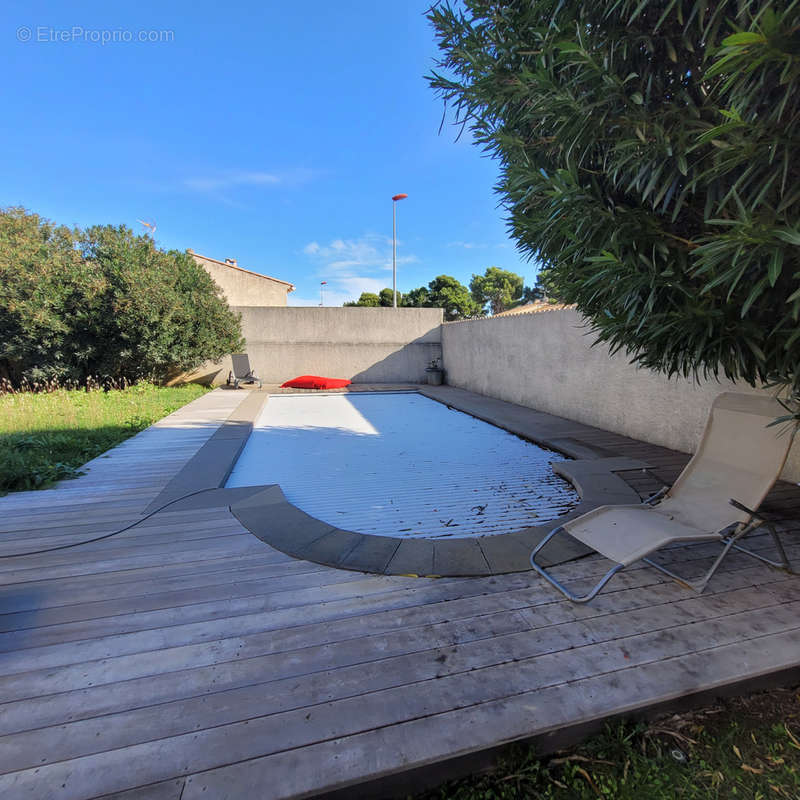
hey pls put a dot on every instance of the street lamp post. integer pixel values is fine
(321, 293)
(395, 198)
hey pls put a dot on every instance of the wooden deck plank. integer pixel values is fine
(185, 657)
(70, 566)
(210, 748)
(244, 598)
(56, 610)
(98, 540)
(129, 583)
(31, 645)
(140, 725)
(37, 592)
(151, 690)
(342, 762)
(134, 586)
(273, 586)
(243, 626)
(136, 537)
(272, 659)
(88, 524)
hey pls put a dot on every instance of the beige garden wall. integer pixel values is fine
(364, 345)
(545, 361)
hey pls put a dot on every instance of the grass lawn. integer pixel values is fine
(740, 748)
(47, 437)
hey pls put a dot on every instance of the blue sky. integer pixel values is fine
(270, 132)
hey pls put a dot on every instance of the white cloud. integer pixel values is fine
(343, 264)
(477, 245)
(467, 245)
(230, 179)
(353, 266)
(402, 260)
(355, 285)
(368, 250)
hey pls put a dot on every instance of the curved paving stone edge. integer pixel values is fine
(265, 511)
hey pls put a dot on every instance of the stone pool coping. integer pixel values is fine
(266, 513)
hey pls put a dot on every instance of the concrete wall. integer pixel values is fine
(545, 361)
(365, 345)
(242, 287)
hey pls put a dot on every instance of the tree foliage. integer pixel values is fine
(447, 293)
(366, 300)
(498, 288)
(532, 294)
(417, 298)
(649, 160)
(384, 299)
(450, 294)
(103, 302)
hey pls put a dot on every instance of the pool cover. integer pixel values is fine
(400, 464)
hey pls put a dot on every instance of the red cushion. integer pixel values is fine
(315, 382)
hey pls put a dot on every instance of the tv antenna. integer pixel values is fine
(151, 226)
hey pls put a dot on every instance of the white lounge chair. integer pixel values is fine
(242, 373)
(715, 498)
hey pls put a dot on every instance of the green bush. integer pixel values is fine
(103, 302)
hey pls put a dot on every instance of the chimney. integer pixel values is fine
(231, 261)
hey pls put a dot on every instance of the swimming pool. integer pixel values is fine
(401, 464)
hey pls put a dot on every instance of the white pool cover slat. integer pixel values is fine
(401, 465)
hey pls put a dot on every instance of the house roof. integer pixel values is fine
(536, 307)
(231, 264)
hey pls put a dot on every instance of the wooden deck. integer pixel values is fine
(187, 659)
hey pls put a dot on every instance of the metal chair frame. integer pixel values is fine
(729, 542)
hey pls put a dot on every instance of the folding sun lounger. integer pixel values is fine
(242, 372)
(714, 499)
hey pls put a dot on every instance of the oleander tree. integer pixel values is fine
(159, 311)
(45, 293)
(649, 153)
(103, 302)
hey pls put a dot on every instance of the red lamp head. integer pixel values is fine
(399, 197)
